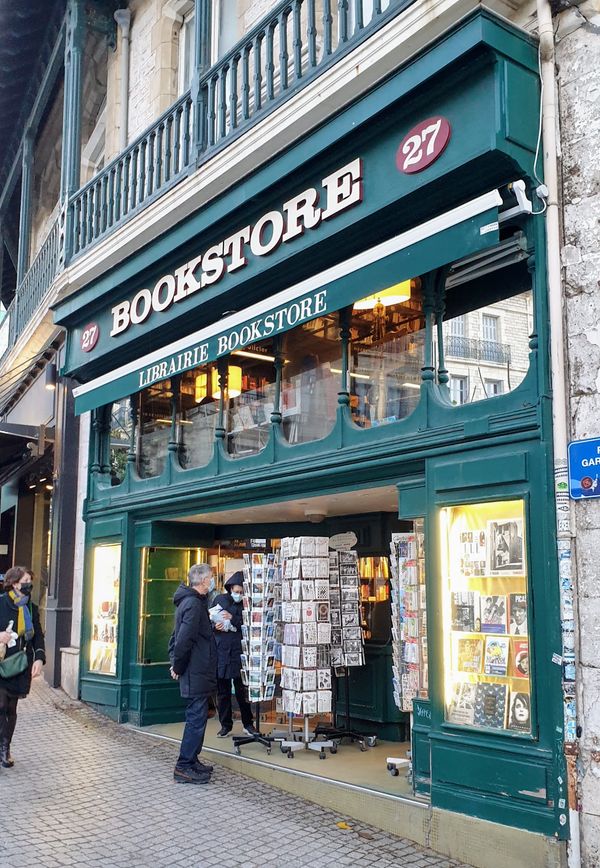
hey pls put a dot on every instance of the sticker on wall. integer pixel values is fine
(423, 145)
(89, 337)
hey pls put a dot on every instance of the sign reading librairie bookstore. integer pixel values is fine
(584, 468)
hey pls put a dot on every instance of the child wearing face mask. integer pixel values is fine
(22, 616)
(229, 652)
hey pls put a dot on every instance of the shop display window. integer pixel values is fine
(120, 438)
(311, 379)
(197, 416)
(250, 398)
(106, 572)
(154, 428)
(486, 616)
(162, 571)
(386, 355)
(375, 602)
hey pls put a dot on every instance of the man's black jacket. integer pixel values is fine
(192, 648)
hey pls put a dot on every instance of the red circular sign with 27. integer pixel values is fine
(89, 337)
(423, 145)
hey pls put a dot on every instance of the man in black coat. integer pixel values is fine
(193, 656)
(229, 659)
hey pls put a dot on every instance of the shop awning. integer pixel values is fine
(451, 236)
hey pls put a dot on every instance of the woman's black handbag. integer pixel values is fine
(14, 665)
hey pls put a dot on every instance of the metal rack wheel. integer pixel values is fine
(333, 748)
(372, 740)
(363, 746)
(322, 755)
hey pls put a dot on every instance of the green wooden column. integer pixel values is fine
(25, 212)
(70, 170)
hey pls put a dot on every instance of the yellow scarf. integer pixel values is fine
(24, 620)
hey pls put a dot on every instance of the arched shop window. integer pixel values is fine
(197, 415)
(311, 379)
(155, 411)
(120, 438)
(249, 399)
(387, 340)
(488, 322)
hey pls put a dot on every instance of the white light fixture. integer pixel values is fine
(50, 377)
(411, 386)
(351, 374)
(249, 354)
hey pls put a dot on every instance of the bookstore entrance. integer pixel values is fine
(325, 652)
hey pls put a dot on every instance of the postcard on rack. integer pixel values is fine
(309, 656)
(461, 708)
(496, 655)
(493, 613)
(348, 557)
(296, 564)
(352, 634)
(520, 658)
(334, 597)
(324, 634)
(470, 655)
(269, 692)
(491, 705)
(336, 620)
(321, 546)
(309, 633)
(336, 636)
(334, 560)
(350, 619)
(323, 611)
(291, 634)
(337, 656)
(308, 589)
(349, 594)
(322, 589)
(309, 704)
(309, 568)
(324, 679)
(309, 679)
(296, 589)
(324, 701)
(309, 612)
(298, 703)
(505, 548)
(322, 568)
(518, 614)
(296, 542)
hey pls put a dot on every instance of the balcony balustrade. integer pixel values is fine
(476, 350)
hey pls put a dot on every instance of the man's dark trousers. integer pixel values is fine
(196, 715)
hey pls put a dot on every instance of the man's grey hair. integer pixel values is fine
(199, 573)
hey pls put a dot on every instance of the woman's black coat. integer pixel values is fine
(229, 644)
(20, 684)
(192, 649)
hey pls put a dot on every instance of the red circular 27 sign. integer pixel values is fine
(89, 337)
(423, 145)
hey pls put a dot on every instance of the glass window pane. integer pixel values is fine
(120, 439)
(197, 418)
(387, 354)
(311, 379)
(480, 364)
(486, 615)
(154, 428)
(250, 398)
(187, 41)
(106, 573)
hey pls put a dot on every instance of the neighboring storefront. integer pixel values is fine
(281, 365)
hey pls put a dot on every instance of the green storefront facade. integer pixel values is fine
(250, 267)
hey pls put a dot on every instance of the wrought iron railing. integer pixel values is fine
(281, 54)
(476, 350)
(146, 168)
(34, 286)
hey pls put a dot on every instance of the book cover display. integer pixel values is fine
(486, 616)
(258, 625)
(345, 633)
(409, 617)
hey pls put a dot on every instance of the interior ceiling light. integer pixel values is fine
(387, 297)
(233, 380)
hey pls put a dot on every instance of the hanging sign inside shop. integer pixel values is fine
(423, 145)
(584, 468)
(339, 191)
(343, 541)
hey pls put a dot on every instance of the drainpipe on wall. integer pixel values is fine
(123, 19)
(557, 357)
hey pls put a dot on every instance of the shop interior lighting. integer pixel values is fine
(395, 294)
(49, 487)
(250, 354)
(411, 386)
(351, 373)
(200, 387)
(233, 380)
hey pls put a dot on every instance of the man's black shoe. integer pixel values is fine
(203, 767)
(223, 732)
(190, 776)
(249, 730)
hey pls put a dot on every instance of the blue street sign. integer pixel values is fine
(584, 468)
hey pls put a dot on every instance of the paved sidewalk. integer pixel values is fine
(87, 792)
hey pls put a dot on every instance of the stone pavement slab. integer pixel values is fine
(88, 792)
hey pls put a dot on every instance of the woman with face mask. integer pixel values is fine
(17, 609)
(229, 664)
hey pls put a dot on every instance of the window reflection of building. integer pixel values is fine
(250, 398)
(197, 418)
(311, 379)
(154, 428)
(120, 439)
(387, 352)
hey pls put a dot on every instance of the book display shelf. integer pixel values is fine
(486, 614)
